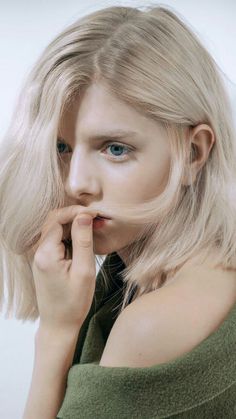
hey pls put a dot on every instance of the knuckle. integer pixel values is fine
(41, 260)
(54, 214)
(84, 243)
(51, 214)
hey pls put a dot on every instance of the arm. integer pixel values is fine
(167, 323)
(54, 352)
(64, 290)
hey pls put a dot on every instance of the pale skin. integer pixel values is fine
(60, 283)
(98, 176)
(95, 177)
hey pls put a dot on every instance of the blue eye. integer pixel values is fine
(117, 148)
(61, 146)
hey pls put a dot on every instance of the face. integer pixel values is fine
(117, 169)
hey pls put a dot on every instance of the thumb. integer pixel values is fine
(83, 261)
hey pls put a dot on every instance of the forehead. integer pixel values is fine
(97, 111)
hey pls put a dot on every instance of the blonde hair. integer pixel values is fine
(151, 60)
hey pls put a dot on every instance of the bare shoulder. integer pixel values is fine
(169, 322)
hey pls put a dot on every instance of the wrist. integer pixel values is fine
(48, 335)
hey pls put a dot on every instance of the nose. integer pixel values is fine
(82, 176)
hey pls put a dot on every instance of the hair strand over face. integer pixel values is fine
(151, 60)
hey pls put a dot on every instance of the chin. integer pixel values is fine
(104, 247)
(106, 244)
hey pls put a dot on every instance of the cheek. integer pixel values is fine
(151, 179)
(161, 179)
(145, 179)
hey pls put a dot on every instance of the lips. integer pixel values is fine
(102, 216)
(67, 233)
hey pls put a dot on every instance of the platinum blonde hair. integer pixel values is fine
(152, 60)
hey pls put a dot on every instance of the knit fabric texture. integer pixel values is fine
(198, 385)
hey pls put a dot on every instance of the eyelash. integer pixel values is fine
(109, 144)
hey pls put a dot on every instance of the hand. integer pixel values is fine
(64, 288)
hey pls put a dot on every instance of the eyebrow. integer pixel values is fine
(119, 133)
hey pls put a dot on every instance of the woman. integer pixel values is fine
(124, 137)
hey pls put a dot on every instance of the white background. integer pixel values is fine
(26, 27)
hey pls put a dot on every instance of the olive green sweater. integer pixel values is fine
(198, 385)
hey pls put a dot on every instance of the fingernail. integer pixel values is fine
(84, 221)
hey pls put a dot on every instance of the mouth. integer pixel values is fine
(100, 222)
(101, 217)
(68, 239)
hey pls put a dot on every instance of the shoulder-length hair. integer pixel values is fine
(152, 60)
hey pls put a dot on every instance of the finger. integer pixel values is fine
(67, 214)
(83, 261)
(52, 230)
(48, 253)
(50, 248)
(63, 216)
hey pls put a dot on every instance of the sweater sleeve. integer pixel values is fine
(199, 384)
(96, 392)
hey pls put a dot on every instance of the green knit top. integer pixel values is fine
(198, 385)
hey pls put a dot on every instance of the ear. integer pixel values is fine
(202, 140)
